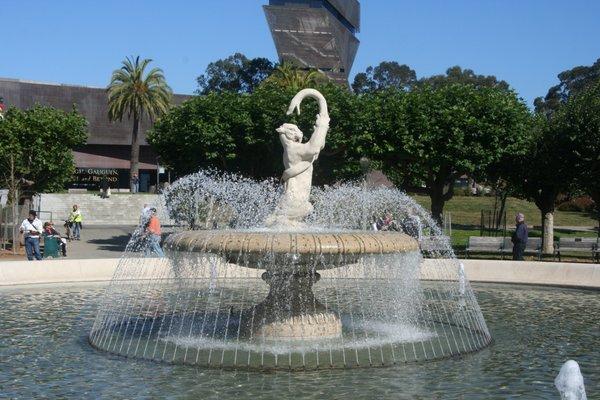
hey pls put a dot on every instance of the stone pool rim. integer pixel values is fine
(557, 274)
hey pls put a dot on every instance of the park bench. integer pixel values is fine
(500, 245)
(484, 244)
(577, 245)
(534, 246)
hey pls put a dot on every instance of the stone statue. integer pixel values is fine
(298, 160)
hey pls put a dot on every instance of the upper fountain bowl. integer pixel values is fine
(318, 250)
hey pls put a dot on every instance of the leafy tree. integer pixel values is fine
(572, 81)
(203, 132)
(388, 74)
(236, 74)
(579, 122)
(288, 76)
(136, 95)
(236, 132)
(38, 144)
(464, 76)
(434, 134)
(36, 151)
(543, 173)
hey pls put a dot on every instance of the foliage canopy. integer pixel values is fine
(36, 147)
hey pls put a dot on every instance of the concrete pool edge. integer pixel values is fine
(14, 273)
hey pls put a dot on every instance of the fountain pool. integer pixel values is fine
(45, 354)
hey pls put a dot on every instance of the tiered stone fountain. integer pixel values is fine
(373, 306)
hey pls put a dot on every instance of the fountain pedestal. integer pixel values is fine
(291, 261)
(291, 311)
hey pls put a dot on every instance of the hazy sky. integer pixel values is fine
(525, 42)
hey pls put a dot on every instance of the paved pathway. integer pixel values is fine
(100, 241)
(97, 241)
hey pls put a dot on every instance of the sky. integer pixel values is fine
(525, 42)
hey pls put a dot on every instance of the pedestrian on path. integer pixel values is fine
(75, 218)
(153, 235)
(519, 238)
(104, 188)
(31, 228)
(135, 183)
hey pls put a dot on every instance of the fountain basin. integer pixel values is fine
(288, 250)
(291, 260)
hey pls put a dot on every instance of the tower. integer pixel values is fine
(316, 34)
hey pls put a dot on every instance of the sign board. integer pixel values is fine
(90, 178)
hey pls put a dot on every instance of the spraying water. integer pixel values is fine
(569, 382)
(252, 281)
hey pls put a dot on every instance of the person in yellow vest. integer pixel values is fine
(75, 219)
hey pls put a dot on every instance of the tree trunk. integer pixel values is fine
(548, 231)
(135, 149)
(13, 197)
(441, 189)
(503, 198)
(596, 197)
(16, 241)
(437, 206)
(545, 203)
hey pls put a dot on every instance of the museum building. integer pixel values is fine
(108, 147)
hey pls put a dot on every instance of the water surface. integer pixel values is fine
(44, 354)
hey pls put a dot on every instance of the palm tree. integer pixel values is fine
(135, 95)
(290, 76)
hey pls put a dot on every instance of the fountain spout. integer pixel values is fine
(569, 382)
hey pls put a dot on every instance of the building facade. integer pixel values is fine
(317, 34)
(108, 148)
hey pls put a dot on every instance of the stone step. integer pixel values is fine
(116, 210)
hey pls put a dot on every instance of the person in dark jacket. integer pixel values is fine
(519, 238)
(104, 187)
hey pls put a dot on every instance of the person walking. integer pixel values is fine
(519, 237)
(153, 234)
(75, 219)
(31, 228)
(135, 183)
(104, 188)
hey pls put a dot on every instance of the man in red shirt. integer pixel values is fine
(153, 234)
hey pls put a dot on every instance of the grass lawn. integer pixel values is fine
(460, 236)
(466, 210)
(466, 218)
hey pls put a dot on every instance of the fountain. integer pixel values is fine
(291, 284)
(569, 382)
